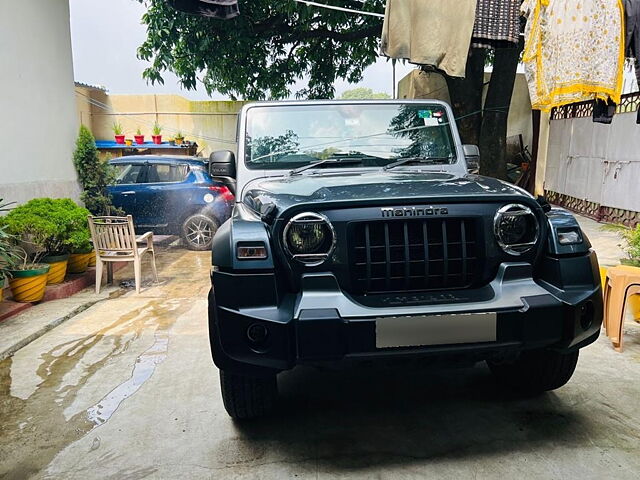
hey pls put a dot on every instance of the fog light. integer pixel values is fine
(256, 251)
(586, 311)
(569, 236)
(257, 333)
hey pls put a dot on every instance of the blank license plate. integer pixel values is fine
(435, 330)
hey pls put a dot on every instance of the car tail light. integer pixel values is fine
(222, 190)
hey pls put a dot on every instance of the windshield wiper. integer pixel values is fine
(423, 160)
(327, 161)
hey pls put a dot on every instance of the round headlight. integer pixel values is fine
(309, 238)
(516, 228)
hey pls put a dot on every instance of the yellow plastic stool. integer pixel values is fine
(622, 283)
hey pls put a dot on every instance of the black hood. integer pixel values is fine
(374, 188)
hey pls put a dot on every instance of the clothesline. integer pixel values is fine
(342, 9)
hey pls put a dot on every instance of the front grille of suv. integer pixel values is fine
(413, 255)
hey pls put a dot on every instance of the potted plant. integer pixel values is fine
(46, 229)
(58, 265)
(81, 249)
(157, 137)
(179, 138)
(139, 137)
(28, 279)
(117, 132)
(76, 238)
(128, 142)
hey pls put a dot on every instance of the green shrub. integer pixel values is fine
(80, 241)
(49, 226)
(94, 175)
(632, 238)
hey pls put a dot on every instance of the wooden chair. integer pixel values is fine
(115, 240)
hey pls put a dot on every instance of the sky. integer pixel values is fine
(106, 33)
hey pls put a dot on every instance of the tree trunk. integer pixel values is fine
(493, 133)
(466, 96)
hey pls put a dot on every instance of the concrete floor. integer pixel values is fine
(127, 389)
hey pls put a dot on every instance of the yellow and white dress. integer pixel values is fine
(574, 51)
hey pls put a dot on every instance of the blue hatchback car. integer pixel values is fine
(172, 196)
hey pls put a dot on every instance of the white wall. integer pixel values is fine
(38, 121)
(595, 162)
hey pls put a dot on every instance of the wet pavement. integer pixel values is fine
(127, 390)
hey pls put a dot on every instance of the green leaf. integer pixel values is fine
(264, 51)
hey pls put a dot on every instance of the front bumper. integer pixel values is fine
(324, 325)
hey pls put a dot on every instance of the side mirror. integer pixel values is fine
(472, 157)
(222, 163)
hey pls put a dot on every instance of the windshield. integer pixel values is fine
(377, 134)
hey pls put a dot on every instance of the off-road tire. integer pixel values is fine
(536, 371)
(247, 397)
(195, 223)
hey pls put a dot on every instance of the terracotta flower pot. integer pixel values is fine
(139, 139)
(120, 139)
(179, 140)
(157, 139)
(79, 262)
(92, 259)
(29, 285)
(57, 268)
(128, 142)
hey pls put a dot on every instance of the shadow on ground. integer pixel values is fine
(382, 416)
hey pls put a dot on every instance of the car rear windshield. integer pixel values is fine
(283, 137)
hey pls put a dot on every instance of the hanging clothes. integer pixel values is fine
(497, 24)
(221, 9)
(632, 45)
(429, 32)
(574, 51)
(603, 112)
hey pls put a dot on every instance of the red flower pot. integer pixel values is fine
(157, 139)
(139, 139)
(120, 139)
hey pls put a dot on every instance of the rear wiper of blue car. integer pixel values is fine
(328, 161)
(423, 160)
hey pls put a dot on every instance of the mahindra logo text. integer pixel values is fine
(413, 211)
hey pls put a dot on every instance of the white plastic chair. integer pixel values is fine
(114, 240)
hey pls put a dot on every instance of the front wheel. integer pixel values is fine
(198, 231)
(247, 397)
(536, 371)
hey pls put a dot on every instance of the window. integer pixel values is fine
(285, 137)
(128, 173)
(163, 173)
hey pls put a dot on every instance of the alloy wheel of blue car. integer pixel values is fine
(198, 231)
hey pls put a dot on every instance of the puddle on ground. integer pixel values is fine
(35, 430)
(143, 369)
